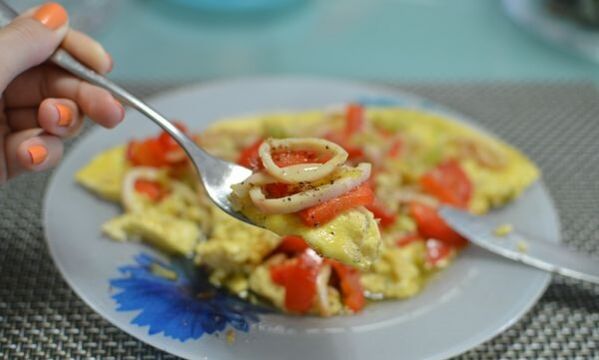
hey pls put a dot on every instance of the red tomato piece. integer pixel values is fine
(351, 287)
(157, 151)
(132, 148)
(167, 141)
(146, 153)
(298, 277)
(288, 158)
(292, 245)
(395, 148)
(354, 152)
(277, 190)
(408, 239)
(437, 251)
(448, 183)
(249, 156)
(151, 189)
(384, 215)
(328, 210)
(431, 225)
(354, 119)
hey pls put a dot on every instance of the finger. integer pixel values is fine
(4, 129)
(31, 150)
(31, 39)
(88, 51)
(46, 81)
(60, 117)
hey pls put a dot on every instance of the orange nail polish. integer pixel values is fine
(52, 15)
(38, 154)
(64, 115)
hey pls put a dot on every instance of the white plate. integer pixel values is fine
(478, 297)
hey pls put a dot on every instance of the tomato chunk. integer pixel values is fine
(249, 156)
(328, 210)
(277, 190)
(288, 158)
(431, 225)
(384, 215)
(292, 245)
(151, 189)
(148, 152)
(395, 148)
(351, 287)
(354, 152)
(159, 151)
(354, 119)
(167, 141)
(448, 183)
(298, 277)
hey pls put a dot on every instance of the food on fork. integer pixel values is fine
(303, 187)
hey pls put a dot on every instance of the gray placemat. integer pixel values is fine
(557, 124)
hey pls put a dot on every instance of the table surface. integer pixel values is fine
(375, 39)
(554, 123)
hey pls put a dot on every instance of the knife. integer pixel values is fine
(545, 255)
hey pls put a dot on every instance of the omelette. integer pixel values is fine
(386, 248)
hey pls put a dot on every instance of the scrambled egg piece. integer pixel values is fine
(262, 284)
(503, 230)
(171, 224)
(164, 231)
(399, 272)
(352, 237)
(184, 203)
(104, 174)
(522, 246)
(495, 188)
(233, 246)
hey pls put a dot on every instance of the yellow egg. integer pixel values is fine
(166, 232)
(104, 174)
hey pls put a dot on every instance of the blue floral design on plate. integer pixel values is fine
(177, 299)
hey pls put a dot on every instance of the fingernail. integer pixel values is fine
(64, 115)
(38, 154)
(121, 108)
(51, 15)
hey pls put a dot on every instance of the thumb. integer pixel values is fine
(30, 40)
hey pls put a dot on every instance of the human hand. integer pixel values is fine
(40, 104)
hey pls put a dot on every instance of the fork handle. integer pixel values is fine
(64, 60)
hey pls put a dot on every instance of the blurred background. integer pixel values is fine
(405, 40)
